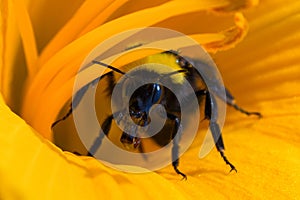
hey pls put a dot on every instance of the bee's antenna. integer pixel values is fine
(123, 73)
(173, 73)
(108, 66)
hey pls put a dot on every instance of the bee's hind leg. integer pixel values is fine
(211, 113)
(231, 101)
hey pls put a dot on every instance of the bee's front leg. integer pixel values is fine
(175, 148)
(98, 141)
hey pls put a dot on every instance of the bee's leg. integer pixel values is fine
(211, 113)
(231, 101)
(80, 93)
(74, 104)
(201, 94)
(64, 117)
(97, 143)
(111, 82)
(175, 147)
(106, 125)
(141, 149)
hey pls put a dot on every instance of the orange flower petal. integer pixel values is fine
(27, 35)
(86, 13)
(237, 5)
(10, 42)
(232, 35)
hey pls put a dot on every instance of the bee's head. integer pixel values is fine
(142, 100)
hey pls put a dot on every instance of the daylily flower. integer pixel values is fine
(43, 44)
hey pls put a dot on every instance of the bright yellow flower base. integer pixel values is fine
(262, 71)
(31, 167)
(267, 162)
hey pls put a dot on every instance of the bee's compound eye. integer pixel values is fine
(156, 93)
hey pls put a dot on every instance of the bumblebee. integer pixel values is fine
(149, 94)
